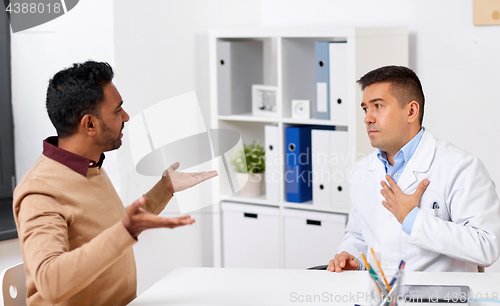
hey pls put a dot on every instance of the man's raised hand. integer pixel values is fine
(138, 219)
(183, 180)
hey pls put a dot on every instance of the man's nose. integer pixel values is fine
(126, 117)
(369, 119)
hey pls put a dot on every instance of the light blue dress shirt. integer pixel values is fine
(400, 160)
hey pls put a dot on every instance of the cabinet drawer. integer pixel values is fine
(311, 238)
(250, 236)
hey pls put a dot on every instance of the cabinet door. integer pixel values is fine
(250, 236)
(311, 238)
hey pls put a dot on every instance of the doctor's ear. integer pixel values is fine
(413, 109)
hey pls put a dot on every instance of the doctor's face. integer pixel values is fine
(385, 120)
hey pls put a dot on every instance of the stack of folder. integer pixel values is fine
(330, 164)
(332, 81)
(316, 165)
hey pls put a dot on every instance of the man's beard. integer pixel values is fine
(109, 141)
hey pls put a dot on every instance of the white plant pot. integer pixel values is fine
(254, 187)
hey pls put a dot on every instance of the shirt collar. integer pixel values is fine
(73, 161)
(406, 151)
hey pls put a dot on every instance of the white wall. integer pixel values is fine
(458, 63)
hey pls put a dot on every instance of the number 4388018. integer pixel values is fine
(34, 8)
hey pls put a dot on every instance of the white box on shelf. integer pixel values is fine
(250, 236)
(301, 109)
(264, 100)
(311, 238)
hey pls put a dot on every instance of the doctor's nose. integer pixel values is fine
(369, 119)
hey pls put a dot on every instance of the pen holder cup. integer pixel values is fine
(383, 295)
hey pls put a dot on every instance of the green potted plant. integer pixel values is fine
(250, 165)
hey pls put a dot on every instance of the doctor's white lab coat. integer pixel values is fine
(459, 235)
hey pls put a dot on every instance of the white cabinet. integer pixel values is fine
(251, 236)
(286, 61)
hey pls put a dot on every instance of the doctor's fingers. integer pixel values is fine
(387, 192)
(388, 207)
(337, 263)
(393, 185)
(421, 188)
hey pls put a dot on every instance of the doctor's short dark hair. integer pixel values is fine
(75, 92)
(405, 85)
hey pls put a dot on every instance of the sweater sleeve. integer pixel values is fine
(57, 272)
(157, 198)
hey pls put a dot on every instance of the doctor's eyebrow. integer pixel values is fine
(363, 104)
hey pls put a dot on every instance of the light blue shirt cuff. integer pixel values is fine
(409, 220)
(361, 266)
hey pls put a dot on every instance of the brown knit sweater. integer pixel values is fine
(75, 248)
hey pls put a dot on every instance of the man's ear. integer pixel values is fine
(413, 110)
(88, 124)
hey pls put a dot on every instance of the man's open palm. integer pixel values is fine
(183, 180)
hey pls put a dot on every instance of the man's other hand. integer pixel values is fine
(138, 219)
(343, 261)
(182, 180)
(399, 203)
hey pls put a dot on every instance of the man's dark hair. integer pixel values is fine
(405, 85)
(75, 92)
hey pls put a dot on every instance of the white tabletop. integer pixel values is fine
(215, 286)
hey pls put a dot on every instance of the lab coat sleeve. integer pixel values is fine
(353, 241)
(472, 234)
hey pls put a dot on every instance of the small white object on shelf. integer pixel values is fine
(301, 109)
(264, 100)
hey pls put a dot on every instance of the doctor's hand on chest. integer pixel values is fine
(399, 203)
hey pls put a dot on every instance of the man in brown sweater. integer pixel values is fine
(76, 236)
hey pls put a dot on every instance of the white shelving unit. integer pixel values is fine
(289, 64)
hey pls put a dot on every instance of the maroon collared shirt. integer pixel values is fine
(73, 161)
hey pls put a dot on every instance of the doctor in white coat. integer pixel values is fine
(417, 198)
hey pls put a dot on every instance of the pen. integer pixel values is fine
(380, 267)
(401, 266)
(378, 282)
(370, 272)
(366, 262)
(390, 297)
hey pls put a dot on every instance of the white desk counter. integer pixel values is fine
(215, 286)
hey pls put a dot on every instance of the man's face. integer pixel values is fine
(386, 122)
(112, 119)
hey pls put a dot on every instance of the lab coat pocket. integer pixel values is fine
(436, 212)
(409, 248)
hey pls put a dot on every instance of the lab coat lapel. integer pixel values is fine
(378, 170)
(420, 162)
(408, 177)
